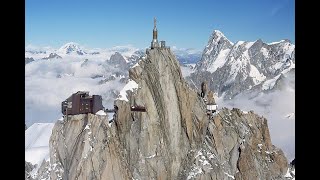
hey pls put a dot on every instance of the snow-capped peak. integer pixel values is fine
(71, 47)
(218, 33)
(245, 64)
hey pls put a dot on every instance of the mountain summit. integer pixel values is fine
(173, 139)
(71, 48)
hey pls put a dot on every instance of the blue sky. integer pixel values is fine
(182, 23)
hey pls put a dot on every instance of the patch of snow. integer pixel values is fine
(278, 65)
(212, 156)
(238, 65)
(37, 143)
(130, 86)
(268, 84)
(220, 34)
(249, 44)
(205, 162)
(209, 51)
(110, 124)
(101, 113)
(257, 77)
(152, 156)
(239, 43)
(137, 64)
(199, 154)
(264, 51)
(87, 127)
(288, 175)
(272, 43)
(219, 61)
(194, 171)
(60, 119)
(229, 175)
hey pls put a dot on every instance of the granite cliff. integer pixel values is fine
(173, 139)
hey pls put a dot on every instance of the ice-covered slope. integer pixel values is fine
(37, 143)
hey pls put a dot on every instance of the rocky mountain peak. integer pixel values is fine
(118, 60)
(234, 68)
(217, 44)
(218, 38)
(173, 138)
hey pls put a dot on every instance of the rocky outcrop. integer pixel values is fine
(85, 147)
(173, 139)
(238, 145)
(28, 168)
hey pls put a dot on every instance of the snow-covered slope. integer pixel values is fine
(37, 143)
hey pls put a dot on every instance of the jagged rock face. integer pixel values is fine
(238, 145)
(173, 139)
(233, 68)
(217, 43)
(133, 59)
(28, 168)
(85, 147)
(159, 140)
(118, 60)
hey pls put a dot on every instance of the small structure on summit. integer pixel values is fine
(154, 42)
(81, 103)
(211, 104)
(208, 98)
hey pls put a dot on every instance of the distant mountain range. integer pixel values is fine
(129, 53)
(231, 68)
